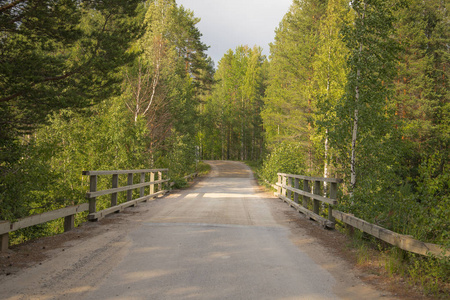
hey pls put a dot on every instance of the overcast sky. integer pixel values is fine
(226, 24)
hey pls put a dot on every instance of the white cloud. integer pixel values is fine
(226, 24)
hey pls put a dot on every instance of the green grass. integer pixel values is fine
(203, 168)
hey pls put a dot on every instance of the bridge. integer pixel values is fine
(223, 238)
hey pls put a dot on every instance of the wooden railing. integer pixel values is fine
(288, 189)
(156, 188)
(68, 213)
(404, 242)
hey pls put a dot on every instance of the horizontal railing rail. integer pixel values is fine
(309, 178)
(405, 242)
(123, 172)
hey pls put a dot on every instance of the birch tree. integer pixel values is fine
(371, 64)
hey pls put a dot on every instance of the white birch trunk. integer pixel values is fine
(355, 120)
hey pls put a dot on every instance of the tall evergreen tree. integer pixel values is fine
(291, 72)
(234, 127)
(58, 54)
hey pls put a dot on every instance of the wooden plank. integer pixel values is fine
(283, 186)
(92, 189)
(337, 180)
(49, 216)
(289, 192)
(142, 189)
(152, 185)
(404, 242)
(115, 184)
(160, 178)
(69, 223)
(103, 213)
(4, 242)
(317, 197)
(306, 189)
(316, 191)
(278, 184)
(324, 222)
(123, 188)
(333, 195)
(296, 186)
(5, 227)
(130, 183)
(123, 171)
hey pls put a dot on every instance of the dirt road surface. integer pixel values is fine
(224, 238)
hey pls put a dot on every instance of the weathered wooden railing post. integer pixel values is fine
(296, 185)
(283, 190)
(152, 186)
(4, 242)
(130, 182)
(69, 223)
(279, 185)
(115, 184)
(306, 189)
(142, 189)
(159, 178)
(4, 238)
(92, 189)
(316, 203)
(333, 196)
(289, 192)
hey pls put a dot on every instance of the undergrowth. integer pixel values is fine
(430, 275)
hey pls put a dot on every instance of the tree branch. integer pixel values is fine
(10, 5)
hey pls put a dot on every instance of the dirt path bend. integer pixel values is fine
(221, 239)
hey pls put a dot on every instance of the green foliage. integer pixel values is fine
(58, 55)
(203, 168)
(232, 125)
(180, 158)
(84, 127)
(288, 103)
(49, 177)
(368, 90)
(285, 158)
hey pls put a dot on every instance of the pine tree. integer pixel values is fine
(289, 94)
(233, 108)
(55, 55)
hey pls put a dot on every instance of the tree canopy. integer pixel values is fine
(56, 55)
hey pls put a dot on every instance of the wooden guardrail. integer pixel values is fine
(284, 191)
(405, 242)
(288, 185)
(68, 213)
(156, 188)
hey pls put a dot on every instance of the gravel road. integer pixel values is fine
(224, 238)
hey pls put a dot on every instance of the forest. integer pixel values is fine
(356, 90)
